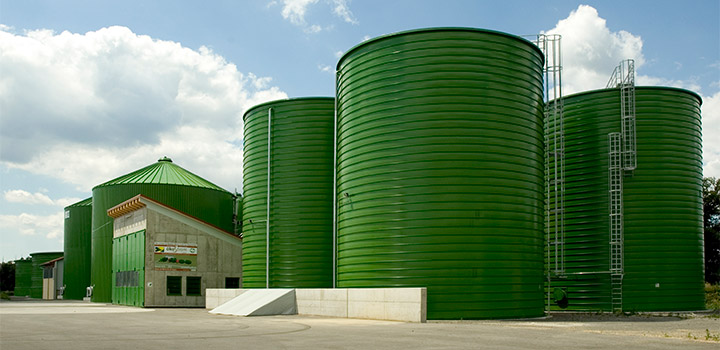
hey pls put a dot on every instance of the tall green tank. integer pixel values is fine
(165, 182)
(36, 274)
(77, 244)
(23, 279)
(301, 186)
(440, 170)
(663, 233)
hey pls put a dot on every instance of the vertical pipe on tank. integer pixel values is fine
(267, 220)
(334, 194)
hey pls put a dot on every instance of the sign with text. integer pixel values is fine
(175, 256)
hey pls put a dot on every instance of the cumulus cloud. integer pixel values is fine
(295, 11)
(49, 226)
(591, 50)
(87, 107)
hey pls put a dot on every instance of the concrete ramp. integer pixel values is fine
(260, 302)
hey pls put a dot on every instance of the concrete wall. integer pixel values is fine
(129, 223)
(216, 260)
(217, 297)
(395, 304)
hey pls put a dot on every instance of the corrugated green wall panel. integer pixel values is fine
(77, 248)
(662, 201)
(301, 194)
(129, 256)
(36, 274)
(440, 170)
(165, 182)
(23, 277)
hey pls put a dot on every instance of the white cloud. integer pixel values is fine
(25, 197)
(325, 68)
(591, 51)
(339, 54)
(295, 11)
(85, 108)
(50, 226)
(342, 10)
(711, 128)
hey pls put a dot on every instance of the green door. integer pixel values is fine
(128, 270)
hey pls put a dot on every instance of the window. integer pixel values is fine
(232, 282)
(193, 286)
(174, 285)
(127, 278)
(48, 272)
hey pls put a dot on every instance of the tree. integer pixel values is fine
(711, 223)
(7, 276)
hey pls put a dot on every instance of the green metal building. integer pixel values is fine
(293, 211)
(440, 170)
(77, 248)
(36, 273)
(662, 208)
(163, 181)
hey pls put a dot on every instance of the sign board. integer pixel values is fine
(175, 256)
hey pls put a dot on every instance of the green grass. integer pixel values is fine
(712, 296)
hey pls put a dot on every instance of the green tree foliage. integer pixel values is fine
(7, 276)
(711, 222)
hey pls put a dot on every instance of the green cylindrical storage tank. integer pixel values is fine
(165, 182)
(663, 232)
(23, 279)
(440, 170)
(301, 186)
(77, 244)
(36, 274)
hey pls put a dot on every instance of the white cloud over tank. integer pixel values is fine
(82, 107)
(591, 50)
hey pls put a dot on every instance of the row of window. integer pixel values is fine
(193, 285)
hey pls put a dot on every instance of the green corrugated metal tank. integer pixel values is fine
(23, 280)
(663, 210)
(164, 182)
(300, 195)
(36, 274)
(77, 244)
(440, 170)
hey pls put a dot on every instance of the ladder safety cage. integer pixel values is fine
(622, 160)
(623, 77)
(550, 46)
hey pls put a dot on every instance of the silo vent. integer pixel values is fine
(165, 159)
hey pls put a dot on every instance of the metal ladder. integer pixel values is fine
(550, 46)
(622, 160)
(623, 77)
(615, 191)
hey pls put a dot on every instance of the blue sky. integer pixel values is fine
(90, 90)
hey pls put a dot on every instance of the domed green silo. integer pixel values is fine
(36, 274)
(662, 202)
(300, 193)
(23, 279)
(77, 247)
(165, 182)
(440, 170)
